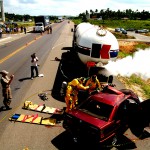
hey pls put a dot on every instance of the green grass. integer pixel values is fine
(136, 24)
(142, 46)
(143, 84)
(122, 54)
(26, 24)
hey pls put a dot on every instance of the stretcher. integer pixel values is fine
(28, 105)
(33, 119)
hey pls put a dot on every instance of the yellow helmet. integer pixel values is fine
(74, 82)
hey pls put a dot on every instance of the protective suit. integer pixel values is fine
(94, 84)
(73, 88)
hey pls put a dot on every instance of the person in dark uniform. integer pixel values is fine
(25, 30)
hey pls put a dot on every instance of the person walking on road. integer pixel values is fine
(6, 90)
(34, 65)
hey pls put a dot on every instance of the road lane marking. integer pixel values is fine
(18, 50)
(58, 45)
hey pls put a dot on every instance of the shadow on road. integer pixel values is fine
(69, 68)
(64, 141)
(27, 78)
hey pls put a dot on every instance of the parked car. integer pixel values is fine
(124, 32)
(103, 115)
(142, 31)
(121, 30)
(117, 30)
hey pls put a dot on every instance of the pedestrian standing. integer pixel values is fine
(1, 32)
(50, 27)
(25, 30)
(34, 65)
(6, 90)
(21, 29)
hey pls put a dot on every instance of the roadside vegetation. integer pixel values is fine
(135, 83)
(126, 24)
(139, 86)
(26, 24)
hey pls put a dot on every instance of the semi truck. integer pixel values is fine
(41, 23)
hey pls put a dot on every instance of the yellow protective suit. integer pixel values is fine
(93, 83)
(73, 88)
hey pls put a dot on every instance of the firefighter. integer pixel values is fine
(94, 84)
(73, 88)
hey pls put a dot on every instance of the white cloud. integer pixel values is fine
(70, 7)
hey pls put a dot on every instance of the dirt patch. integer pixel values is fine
(127, 46)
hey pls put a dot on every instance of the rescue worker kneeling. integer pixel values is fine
(73, 88)
(94, 84)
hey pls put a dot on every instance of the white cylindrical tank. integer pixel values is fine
(93, 43)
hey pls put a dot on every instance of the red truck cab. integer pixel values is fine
(101, 116)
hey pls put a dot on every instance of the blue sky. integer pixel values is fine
(71, 7)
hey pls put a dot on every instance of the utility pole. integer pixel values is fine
(2, 10)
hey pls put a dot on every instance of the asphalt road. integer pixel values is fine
(15, 57)
(47, 47)
(139, 37)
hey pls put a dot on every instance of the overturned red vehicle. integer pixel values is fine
(105, 114)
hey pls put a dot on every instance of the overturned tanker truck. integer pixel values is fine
(95, 44)
(92, 48)
(95, 47)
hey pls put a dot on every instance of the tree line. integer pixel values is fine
(103, 13)
(26, 17)
(116, 15)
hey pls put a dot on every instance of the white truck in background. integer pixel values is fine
(41, 23)
(60, 19)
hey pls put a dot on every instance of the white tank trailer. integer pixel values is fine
(95, 44)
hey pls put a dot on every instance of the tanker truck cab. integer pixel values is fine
(94, 43)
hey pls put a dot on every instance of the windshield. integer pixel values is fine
(39, 24)
(96, 109)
